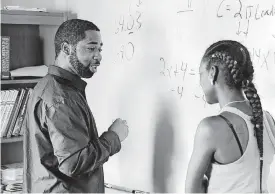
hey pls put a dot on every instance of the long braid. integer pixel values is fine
(239, 74)
(255, 102)
(257, 119)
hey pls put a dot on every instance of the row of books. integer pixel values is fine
(12, 178)
(13, 110)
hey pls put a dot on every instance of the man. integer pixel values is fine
(63, 152)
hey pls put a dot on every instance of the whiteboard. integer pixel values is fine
(149, 76)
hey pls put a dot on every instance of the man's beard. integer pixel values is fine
(80, 69)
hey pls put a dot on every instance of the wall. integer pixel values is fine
(151, 54)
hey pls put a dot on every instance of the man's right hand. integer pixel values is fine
(120, 127)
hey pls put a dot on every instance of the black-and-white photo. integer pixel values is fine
(137, 96)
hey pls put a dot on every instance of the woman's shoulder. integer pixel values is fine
(212, 126)
(215, 128)
(206, 133)
(212, 122)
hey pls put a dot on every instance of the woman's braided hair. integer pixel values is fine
(234, 60)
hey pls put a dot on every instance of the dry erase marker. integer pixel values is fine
(123, 189)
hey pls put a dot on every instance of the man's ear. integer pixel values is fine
(213, 74)
(66, 48)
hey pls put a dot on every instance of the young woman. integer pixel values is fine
(232, 151)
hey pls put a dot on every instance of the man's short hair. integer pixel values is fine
(72, 31)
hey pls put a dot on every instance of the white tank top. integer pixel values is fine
(243, 175)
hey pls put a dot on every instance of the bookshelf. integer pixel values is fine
(28, 83)
(11, 140)
(31, 44)
(33, 18)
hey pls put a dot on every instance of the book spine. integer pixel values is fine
(4, 94)
(15, 112)
(8, 118)
(19, 121)
(12, 110)
(22, 128)
(5, 57)
(5, 109)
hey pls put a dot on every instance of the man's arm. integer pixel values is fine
(70, 137)
(201, 158)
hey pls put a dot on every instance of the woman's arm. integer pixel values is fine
(204, 148)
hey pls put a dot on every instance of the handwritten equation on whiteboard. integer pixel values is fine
(128, 23)
(180, 73)
(244, 13)
(263, 58)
